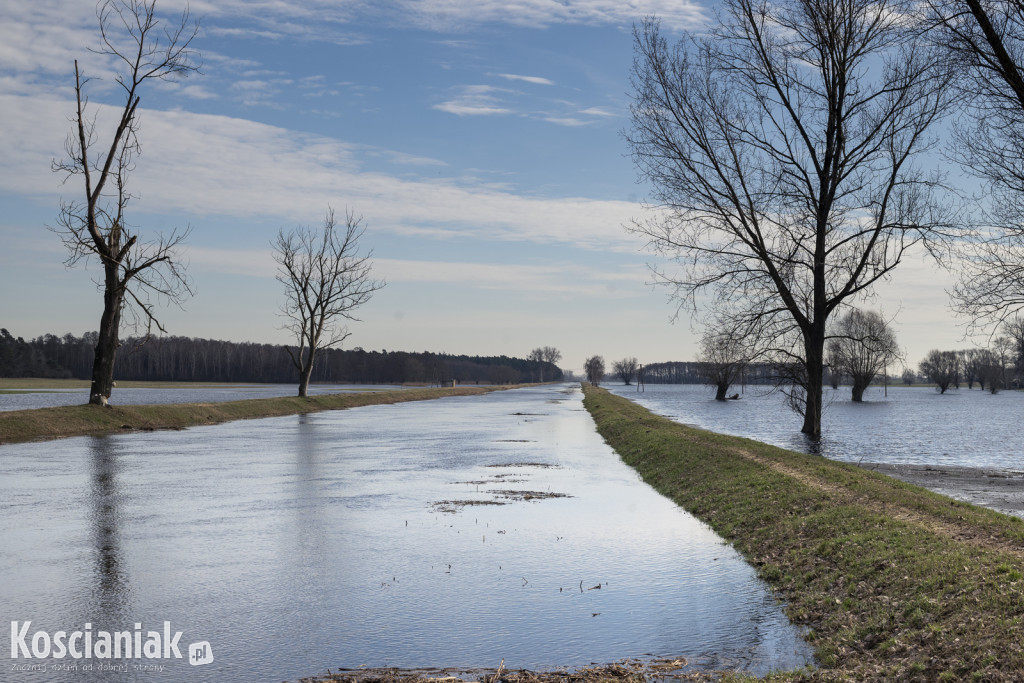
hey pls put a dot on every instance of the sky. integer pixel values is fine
(480, 141)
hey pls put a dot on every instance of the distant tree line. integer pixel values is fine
(695, 372)
(185, 359)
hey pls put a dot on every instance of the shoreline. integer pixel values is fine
(892, 581)
(44, 424)
(997, 489)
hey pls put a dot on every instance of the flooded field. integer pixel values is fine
(23, 399)
(910, 425)
(453, 532)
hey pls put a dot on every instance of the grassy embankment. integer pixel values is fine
(895, 582)
(80, 420)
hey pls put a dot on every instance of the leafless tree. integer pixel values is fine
(594, 369)
(971, 361)
(861, 345)
(625, 369)
(942, 368)
(135, 269)
(723, 357)
(985, 38)
(326, 279)
(550, 354)
(781, 145)
(542, 355)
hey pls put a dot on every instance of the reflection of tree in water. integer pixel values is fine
(112, 587)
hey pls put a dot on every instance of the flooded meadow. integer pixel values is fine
(454, 532)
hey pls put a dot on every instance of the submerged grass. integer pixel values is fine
(893, 581)
(80, 420)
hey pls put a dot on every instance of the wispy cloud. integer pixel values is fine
(548, 280)
(537, 80)
(222, 166)
(447, 15)
(570, 121)
(475, 100)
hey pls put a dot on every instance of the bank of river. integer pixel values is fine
(896, 582)
(461, 531)
(78, 420)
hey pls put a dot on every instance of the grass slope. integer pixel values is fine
(54, 423)
(893, 581)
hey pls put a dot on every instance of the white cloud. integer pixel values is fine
(557, 280)
(475, 100)
(448, 15)
(537, 80)
(222, 166)
(567, 121)
(596, 111)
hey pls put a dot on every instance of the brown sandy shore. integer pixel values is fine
(997, 489)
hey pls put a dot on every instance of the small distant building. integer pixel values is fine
(449, 383)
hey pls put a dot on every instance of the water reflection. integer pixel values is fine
(112, 581)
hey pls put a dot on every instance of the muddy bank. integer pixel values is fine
(997, 489)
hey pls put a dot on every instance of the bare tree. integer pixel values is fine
(542, 355)
(550, 354)
(594, 369)
(781, 147)
(909, 377)
(1013, 329)
(942, 368)
(625, 369)
(985, 38)
(326, 280)
(135, 270)
(723, 357)
(862, 344)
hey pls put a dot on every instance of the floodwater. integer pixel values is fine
(910, 425)
(213, 393)
(453, 532)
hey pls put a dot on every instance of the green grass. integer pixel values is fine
(893, 582)
(53, 423)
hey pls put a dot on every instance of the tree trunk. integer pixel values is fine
(720, 390)
(107, 341)
(859, 386)
(814, 348)
(305, 372)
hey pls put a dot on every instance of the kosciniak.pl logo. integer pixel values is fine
(89, 644)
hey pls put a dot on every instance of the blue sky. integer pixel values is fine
(479, 140)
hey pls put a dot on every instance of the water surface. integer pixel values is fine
(909, 425)
(371, 537)
(217, 393)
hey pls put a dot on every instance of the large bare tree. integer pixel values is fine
(102, 151)
(985, 38)
(325, 279)
(781, 148)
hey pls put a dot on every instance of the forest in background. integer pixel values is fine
(186, 359)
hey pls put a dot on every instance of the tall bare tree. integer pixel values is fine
(135, 270)
(781, 146)
(861, 345)
(325, 279)
(986, 40)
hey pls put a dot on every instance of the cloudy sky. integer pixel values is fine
(480, 141)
